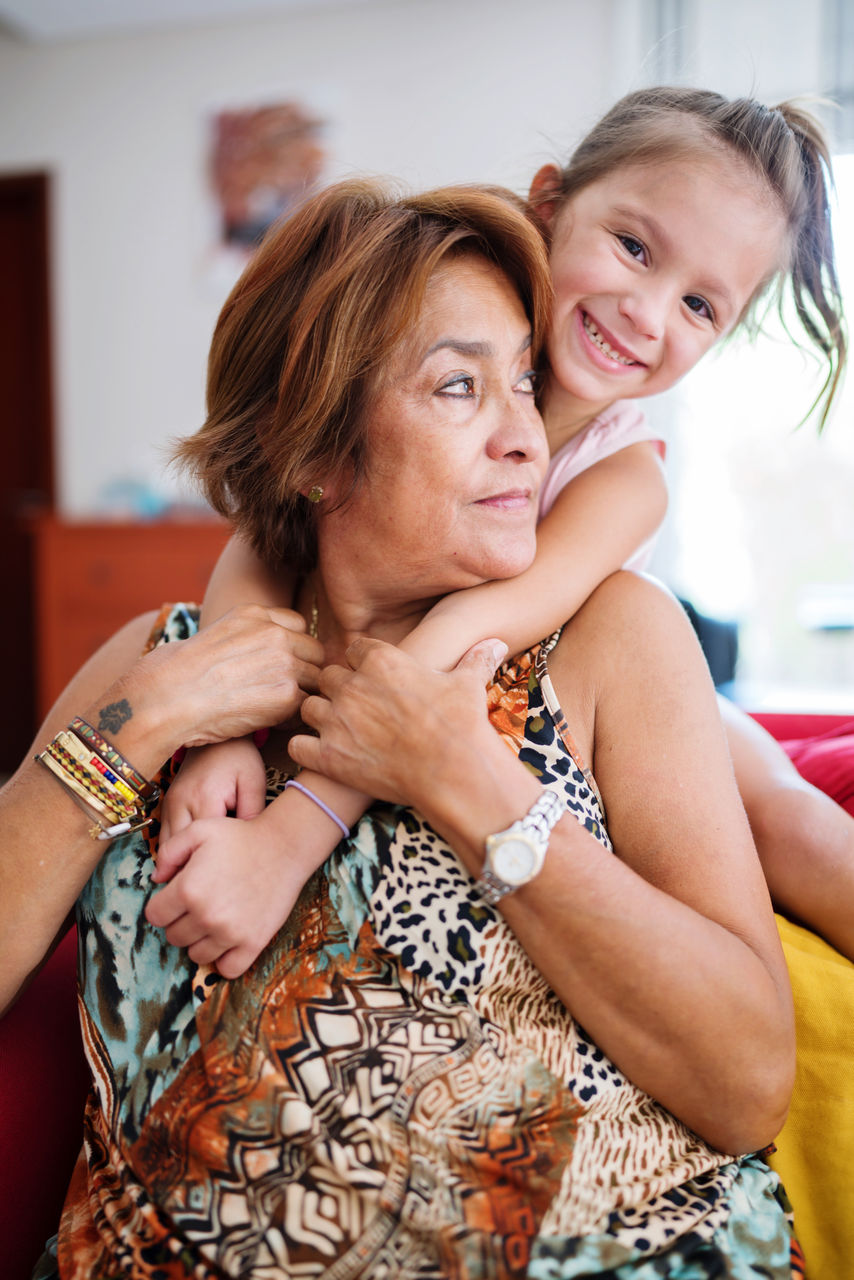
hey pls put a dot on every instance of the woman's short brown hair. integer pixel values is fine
(309, 327)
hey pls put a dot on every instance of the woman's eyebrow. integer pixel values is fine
(466, 347)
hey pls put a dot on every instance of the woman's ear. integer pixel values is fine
(544, 196)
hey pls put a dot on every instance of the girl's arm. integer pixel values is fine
(229, 777)
(598, 521)
(241, 577)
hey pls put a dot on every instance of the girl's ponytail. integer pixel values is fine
(813, 276)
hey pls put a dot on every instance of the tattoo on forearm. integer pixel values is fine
(113, 716)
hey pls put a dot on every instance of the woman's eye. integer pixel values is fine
(461, 385)
(528, 383)
(699, 306)
(633, 247)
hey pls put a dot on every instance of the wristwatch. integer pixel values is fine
(515, 856)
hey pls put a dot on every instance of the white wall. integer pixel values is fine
(432, 91)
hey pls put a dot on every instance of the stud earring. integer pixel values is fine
(315, 493)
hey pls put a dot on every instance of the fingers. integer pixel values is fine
(172, 853)
(174, 817)
(361, 648)
(482, 659)
(304, 750)
(251, 794)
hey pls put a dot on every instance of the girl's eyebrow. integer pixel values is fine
(652, 228)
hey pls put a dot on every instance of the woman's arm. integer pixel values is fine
(597, 522)
(667, 952)
(234, 677)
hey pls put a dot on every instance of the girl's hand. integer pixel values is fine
(233, 886)
(212, 782)
(384, 726)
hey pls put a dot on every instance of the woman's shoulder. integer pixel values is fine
(625, 605)
(630, 631)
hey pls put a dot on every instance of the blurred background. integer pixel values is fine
(143, 144)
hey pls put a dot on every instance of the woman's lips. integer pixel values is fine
(509, 500)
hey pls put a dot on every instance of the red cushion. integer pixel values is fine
(43, 1082)
(827, 761)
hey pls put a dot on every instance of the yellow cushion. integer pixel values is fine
(815, 1151)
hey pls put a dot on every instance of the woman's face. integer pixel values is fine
(651, 266)
(456, 448)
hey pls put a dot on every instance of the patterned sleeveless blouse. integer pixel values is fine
(391, 1090)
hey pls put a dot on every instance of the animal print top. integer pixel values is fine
(392, 1089)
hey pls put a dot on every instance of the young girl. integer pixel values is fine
(675, 216)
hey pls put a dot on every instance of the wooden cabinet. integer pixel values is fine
(91, 578)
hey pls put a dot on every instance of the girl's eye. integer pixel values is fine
(633, 247)
(699, 306)
(528, 383)
(461, 385)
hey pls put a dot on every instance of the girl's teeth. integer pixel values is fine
(596, 338)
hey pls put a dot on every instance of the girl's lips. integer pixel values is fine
(604, 347)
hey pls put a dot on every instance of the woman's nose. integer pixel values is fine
(519, 432)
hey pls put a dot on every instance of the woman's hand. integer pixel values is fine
(246, 671)
(384, 725)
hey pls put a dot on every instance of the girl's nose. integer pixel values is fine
(646, 310)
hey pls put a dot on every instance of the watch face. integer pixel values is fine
(514, 860)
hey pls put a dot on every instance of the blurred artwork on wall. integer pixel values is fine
(263, 160)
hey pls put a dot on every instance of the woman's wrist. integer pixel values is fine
(472, 790)
(141, 717)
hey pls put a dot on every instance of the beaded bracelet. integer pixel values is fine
(63, 750)
(90, 759)
(86, 733)
(104, 828)
(99, 779)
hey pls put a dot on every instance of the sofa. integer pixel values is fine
(43, 1075)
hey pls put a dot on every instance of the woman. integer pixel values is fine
(401, 1084)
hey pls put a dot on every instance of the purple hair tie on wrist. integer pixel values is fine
(292, 782)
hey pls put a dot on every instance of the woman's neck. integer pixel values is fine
(337, 616)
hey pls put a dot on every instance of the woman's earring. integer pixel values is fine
(315, 493)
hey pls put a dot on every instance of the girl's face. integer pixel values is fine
(651, 266)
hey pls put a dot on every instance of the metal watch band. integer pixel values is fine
(537, 825)
(490, 889)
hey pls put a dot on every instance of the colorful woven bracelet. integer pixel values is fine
(105, 825)
(147, 790)
(93, 780)
(89, 759)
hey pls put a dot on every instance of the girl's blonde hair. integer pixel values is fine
(786, 146)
